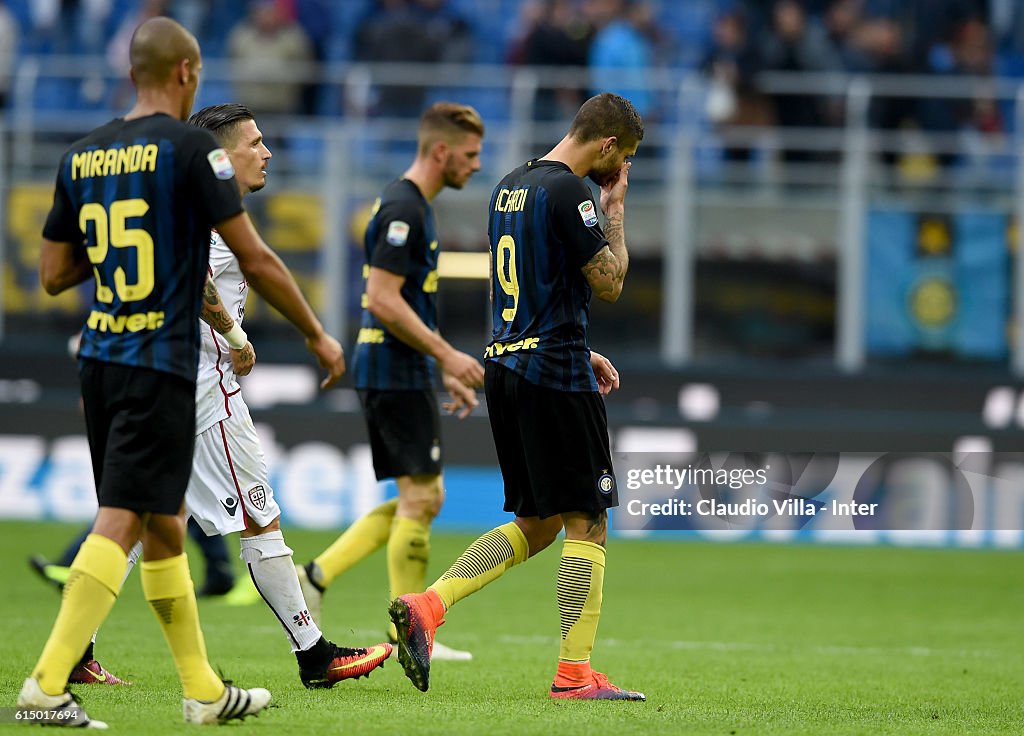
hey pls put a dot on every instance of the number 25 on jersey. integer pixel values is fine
(111, 230)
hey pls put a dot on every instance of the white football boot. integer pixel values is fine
(444, 653)
(53, 710)
(234, 703)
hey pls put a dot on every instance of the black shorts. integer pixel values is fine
(552, 446)
(405, 432)
(141, 425)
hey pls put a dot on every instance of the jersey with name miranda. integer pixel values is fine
(543, 229)
(141, 196)
(401, 238)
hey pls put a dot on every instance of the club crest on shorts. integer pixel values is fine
(435, 452)
(606, 483)
(258, 497)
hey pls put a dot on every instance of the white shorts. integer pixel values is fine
(228, 471)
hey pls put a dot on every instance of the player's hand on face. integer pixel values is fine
(463, 397)
(243, 360)
(465, 368)
(607, 376)
(613, 191)
(329, 354)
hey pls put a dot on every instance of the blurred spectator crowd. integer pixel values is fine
(621, 41)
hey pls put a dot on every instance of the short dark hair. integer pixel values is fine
(448, 121)
(604, 115)
(222, 120)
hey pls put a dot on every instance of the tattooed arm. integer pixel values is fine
(606, 271)
(243, 360)
(214, 314)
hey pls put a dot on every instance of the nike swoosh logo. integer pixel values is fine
(100, 676)
(371, 654)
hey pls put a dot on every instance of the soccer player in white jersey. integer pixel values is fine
(229, 489)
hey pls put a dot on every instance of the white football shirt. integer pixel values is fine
(216, 381)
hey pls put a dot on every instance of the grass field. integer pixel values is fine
(724, 639)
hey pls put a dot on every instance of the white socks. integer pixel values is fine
(270, 564)
(134, 554)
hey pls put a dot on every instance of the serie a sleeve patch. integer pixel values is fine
(588, 213)
(220, 163)
(398, 233)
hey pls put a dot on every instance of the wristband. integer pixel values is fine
(236, 337)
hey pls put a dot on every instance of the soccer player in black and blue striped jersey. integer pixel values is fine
(544, 389)
(400, 355)
(134, 205)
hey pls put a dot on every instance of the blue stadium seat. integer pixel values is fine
(54, 94)
(305, 149)
(329, 102)
(689, 26)
(120, 9)
(339, 48)
(488, 24)
(348, 14)
(21, 11)
(223, 15)
(1010, 64)
(492, 104)
(213, 92)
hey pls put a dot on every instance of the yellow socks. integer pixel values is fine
(89, 594)
(167, 585)
(484, 561)
(364, 537)
(408, 552)
(580, 582)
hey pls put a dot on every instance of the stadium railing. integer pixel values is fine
(756, 192)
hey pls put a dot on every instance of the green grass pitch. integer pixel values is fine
(724, 639)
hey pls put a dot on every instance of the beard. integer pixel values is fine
(451, 179)
(602, 178)
(453, 183)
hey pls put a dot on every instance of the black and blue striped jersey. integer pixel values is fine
(401, 238)
(543, 229)
(140, 196)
